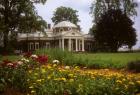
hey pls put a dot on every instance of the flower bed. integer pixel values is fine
(32, 75)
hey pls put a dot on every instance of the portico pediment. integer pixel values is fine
(73, 34)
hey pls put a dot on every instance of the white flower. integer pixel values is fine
(34, 56)
(10, 64)
(25, 60)
(19, 62)
(67, 67)
(55, 61)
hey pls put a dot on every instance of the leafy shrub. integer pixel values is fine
(134, 66)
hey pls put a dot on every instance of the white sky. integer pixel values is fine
(83, 8)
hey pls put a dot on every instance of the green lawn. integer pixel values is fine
(116, 60)
(10, 57)
(94, 60)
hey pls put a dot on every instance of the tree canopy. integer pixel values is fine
(13, 14)
(115, 29)
(65, 14)
(99, 7)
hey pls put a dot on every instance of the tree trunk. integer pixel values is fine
(5, 40)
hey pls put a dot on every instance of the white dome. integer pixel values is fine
(65, 24)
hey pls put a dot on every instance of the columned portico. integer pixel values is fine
(72, 44)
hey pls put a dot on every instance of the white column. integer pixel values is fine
(60, 43)
(76, 45)
(69, 44)
(63, 43)
(83, 49)
(79, 45)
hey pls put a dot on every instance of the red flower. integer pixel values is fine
(27, 54)
(42, 59)
(5, 62)
(9, 63)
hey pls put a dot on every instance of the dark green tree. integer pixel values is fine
(115, 29)
(99, 7)
(65, 14)
(11, 13)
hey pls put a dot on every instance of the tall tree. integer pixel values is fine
(65, 13)
(115, 29)
(99, 7)
(11, 12)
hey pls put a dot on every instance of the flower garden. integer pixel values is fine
(36, 75)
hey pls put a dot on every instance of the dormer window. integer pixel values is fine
(61, 29)
(69, 29)
(73, 33)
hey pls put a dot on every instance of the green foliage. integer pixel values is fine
(65, 14)
(134, 66)
(12, 13)
(99, 7)
(114, 30)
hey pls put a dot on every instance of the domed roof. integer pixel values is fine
(65, 24)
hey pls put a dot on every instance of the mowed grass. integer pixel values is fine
(107, 60)
(10, 57)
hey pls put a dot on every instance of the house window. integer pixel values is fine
(47, 45)
(36, 45)
(69, 29)
(31, 46)
(61, 29)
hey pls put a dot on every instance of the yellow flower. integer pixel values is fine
(131, 83)
(71, 80)
(126, 86)
(42, 79)
(35, 74)
(31, 87)
(32, 91)
(118, 81)
(37, 68)
(64, 79)
(54, 65)
(49, 77)
(30, 71)
(70, 75)
(43, 70)
(49, 67)
(138, 82)
(39, 80)
(124, 79)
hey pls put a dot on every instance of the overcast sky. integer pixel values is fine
(83, 8)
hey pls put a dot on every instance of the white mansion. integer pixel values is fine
(64, 35)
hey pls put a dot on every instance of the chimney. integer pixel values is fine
(49, 26)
